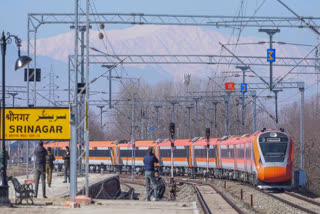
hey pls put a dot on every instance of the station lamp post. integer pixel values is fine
(101, 107)
(13, 94)
(21, 62)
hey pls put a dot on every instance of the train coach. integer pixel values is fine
(263, 158)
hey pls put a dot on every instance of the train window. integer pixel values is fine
(165, 153)
(203, 153)
(273, 152)
(140, 153)
(224, 153)
(231, 153)
(125, 153)
(60, 152)
(240, 153)
(248, 152)
(92, 153)
(102, 153)
(180, 153)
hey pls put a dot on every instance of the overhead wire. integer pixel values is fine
(94, 9)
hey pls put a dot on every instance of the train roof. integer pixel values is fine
(93, 144)
(177, 142)
(203, 141)
(56, 144)
(236, 139)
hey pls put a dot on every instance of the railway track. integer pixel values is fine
(214, 201)
(298, 202)
(292, 203)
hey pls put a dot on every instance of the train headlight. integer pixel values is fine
(273, 134)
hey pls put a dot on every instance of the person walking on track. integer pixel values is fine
(66, 158)
(49, 166)
(149, 160)
(40, 154)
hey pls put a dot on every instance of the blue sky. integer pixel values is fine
(13, 13)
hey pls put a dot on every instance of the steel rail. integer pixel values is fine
(303, 198)
(234, 206)
(227, 199)
(292, 204)
(201, 200)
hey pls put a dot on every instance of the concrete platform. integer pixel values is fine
(110, 206)
(55, 204)
(59, 189)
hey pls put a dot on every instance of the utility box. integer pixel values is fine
(299, 178)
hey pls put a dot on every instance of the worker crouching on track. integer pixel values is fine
(149, 160)
(49, 166)
(161, 185)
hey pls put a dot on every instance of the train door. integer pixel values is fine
(220, 155)
(241, 157)
(249, 157)
(158, 154)
(235, 151)
(212, 156)
(116, 155)
(217, 155)
(192, 156)
(112, 155)
(245, 157)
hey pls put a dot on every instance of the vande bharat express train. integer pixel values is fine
(263, 158)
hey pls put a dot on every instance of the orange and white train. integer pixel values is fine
(263, 158)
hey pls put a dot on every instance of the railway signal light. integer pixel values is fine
(172, 130)
(208, 134)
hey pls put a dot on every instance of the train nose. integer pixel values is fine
(274, 174)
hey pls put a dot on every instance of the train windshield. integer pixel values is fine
(273, 152)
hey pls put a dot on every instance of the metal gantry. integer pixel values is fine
(37, 19)
(209, 59)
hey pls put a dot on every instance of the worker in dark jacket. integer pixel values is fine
(40, 154)
(66, 158)
(149, 160)
(161, 184)
(49, 166)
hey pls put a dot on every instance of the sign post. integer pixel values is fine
(271, 55)
(244, 88)
(229, 86)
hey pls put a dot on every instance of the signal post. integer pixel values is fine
(172, 184)
(208, 138)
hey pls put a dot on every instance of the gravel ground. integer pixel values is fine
(261, 202)
(186, 193)
(299, 202)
